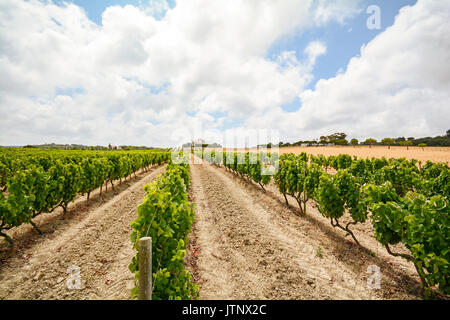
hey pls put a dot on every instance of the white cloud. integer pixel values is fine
(137, 78)
(399, 86)
(314, 50)
(340, 11)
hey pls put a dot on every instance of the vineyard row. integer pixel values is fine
(166, 215)
(35, 182)
(405, 203)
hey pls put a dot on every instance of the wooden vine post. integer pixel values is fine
(145, 268)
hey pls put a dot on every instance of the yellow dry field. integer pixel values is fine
(435, 154)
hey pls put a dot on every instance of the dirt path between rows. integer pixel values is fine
(247, 244)
(94, 240)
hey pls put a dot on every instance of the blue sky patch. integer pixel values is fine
(69, 91)
(217, 114)
(158, 89)
(343, 42)
(95, 8)
(292, 106)
(154, 122)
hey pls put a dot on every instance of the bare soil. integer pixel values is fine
(94, 238)
(247, 244)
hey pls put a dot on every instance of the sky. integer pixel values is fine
(160, 73)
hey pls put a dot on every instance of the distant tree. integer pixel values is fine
(354, 142)
(410, 138)
(388, 142)
(406, 143)
(422, 145)
(400, 139)
(370, 142)
(448, 133)
(337, 136)
(436, 141)
(340, 142)
(332, 137)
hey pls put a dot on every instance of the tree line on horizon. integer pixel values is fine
(341, 139)
(85, 147)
